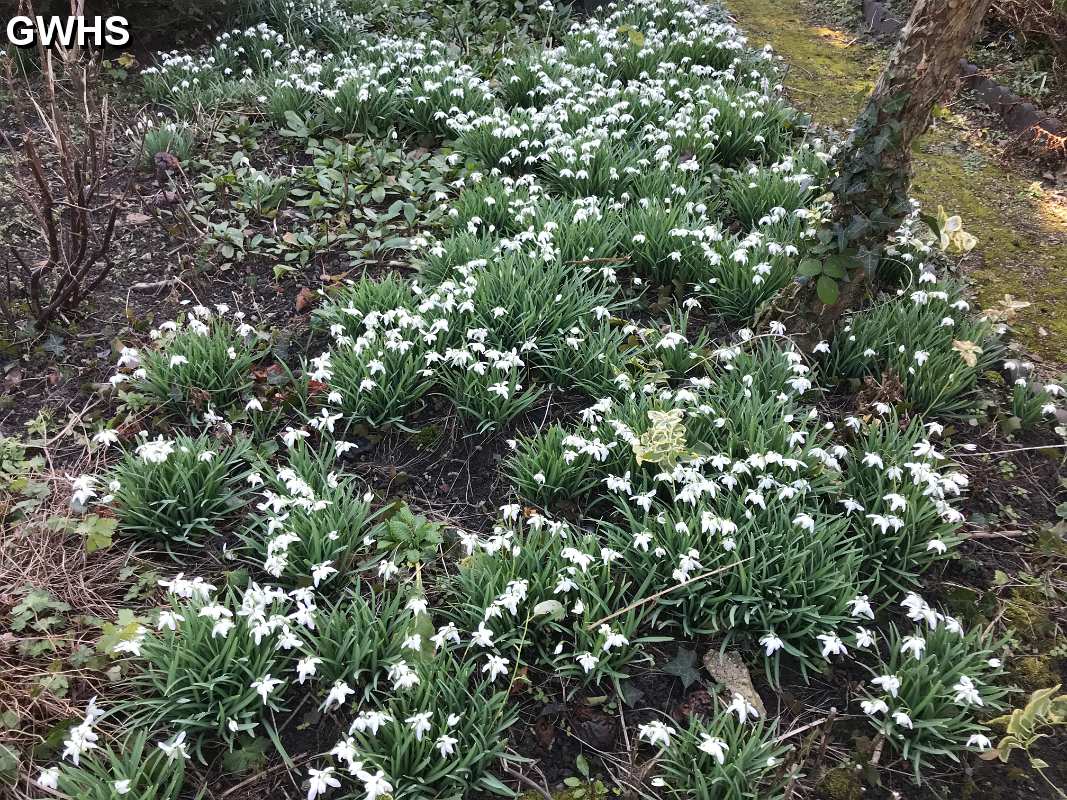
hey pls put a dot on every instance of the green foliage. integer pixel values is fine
(180, 491)
(1029, 403)
(543, 476)
(934, 692)
(741, 274)
(201, 366)
(539, 299)
(196, 673)
(768, 574)
(368, 398)
(174, 138)
(97, 531)
(132, 767)
(405, 536)
(908, 490)
(916, 339)
(37, 619)
(1043, 713)
(553, 629)
(19, 491)
(473, 712)
(489, 396)
(319, 539)
(349, 305)
(588, 358)
(357, 638)
(752, 194)
(691, 766)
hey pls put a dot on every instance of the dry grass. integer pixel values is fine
(34, 555)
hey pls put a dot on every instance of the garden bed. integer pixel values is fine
(430, 440)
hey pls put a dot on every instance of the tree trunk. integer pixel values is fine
(874, 169)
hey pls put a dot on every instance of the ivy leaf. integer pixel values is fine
(684, 667)
(553, 609)
(968, 350)
(827, 290)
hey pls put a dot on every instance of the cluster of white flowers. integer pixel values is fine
(610, 134)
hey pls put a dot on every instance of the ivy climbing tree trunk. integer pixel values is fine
(874, 168)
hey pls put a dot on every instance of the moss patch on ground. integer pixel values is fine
(1022, 233)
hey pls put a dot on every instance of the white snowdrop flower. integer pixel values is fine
(175, 748)
(864, 638)
(861, 607)
(612, 639)
(902, 719)
(937, 546)
(967, 692)
(416, 605)
(896, 502)
(83, 490)
(369, 722)
(265, 686)
(155, 452)
(656, 733)
(873, 460)
(178, 360)
(831, 645)
(979, 740)
(873, 707)
(742, 707)
(305, 667)
(168, 619)
(714, 747)
(320, 781)
(106, 437)
(337, 695)
(320, 572)
(483, 637)
(446, 745)
(771, 643)
(915, 645)
(495, 666)
(587, 661)
(48, 778)
(375, 785)
(420, 724)
(291, 436)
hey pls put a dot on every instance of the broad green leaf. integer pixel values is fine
(827, 290)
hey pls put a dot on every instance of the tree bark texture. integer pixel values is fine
(874, 168)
